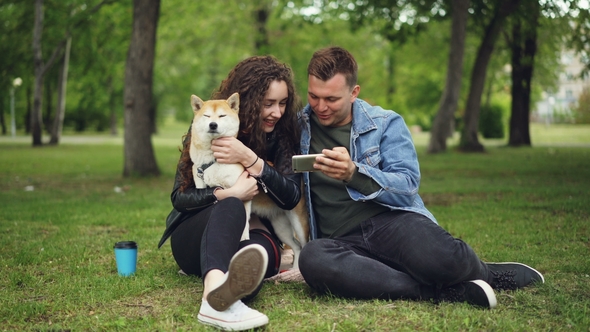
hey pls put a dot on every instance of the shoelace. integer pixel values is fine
(451, 294)
(238, 309)
(504, 280)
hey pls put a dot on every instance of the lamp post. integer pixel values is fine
(16, 83)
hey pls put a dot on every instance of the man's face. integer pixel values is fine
(331, 100)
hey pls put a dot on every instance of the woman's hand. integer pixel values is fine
(245, 189)
(229, 150)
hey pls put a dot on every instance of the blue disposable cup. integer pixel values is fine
(126, 257)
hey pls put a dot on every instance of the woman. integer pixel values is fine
(206, 224)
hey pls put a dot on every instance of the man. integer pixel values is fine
(375, 238)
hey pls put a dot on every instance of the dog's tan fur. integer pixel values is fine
(219, 118)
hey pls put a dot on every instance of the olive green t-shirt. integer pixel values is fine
(335, 212)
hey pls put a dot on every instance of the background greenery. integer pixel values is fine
(199, 42)
(62, 213)
(63, 207)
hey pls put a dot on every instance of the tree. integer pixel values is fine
(16, 56)
(523, 45)
(469, 141)
(579, 37)
(443, 123)
(398, 22)
(582, 110)
(42, 67)
(261, 13)
(194, 55)
(61, 96)
(138, 97)
(40, 70)
(97, 70)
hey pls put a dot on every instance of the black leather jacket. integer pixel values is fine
(284, 190)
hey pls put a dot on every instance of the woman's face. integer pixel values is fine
(273, 105)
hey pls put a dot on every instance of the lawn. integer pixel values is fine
(64, 207)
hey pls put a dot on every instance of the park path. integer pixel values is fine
(118, 140)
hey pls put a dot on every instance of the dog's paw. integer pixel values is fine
(292, 275)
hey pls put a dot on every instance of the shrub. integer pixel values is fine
(491, 124)
(582, 111)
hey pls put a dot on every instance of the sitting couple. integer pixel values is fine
(366, 214)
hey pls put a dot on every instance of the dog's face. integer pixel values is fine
(216, 118)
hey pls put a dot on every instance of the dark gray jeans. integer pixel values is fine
(208, 240)
(393, 255)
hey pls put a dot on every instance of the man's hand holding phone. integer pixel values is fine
(335, 163)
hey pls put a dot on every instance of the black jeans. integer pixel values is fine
(393, 255)
(209, 239)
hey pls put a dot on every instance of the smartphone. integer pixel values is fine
(304, 162)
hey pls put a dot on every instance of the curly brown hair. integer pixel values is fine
(251, 78)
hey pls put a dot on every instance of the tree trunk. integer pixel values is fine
(390, 69)
(524, 48)
(2, 119)
(261, 43)
(442, 126)
(36, 118)
(60, 112)
(48, 102)
(139, 154)
(469, 139)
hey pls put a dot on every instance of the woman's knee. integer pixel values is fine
(229, 208)
(232, 203)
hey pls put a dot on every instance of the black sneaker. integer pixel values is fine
(474, 292)
(510, 276)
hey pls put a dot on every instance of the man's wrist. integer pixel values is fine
(347, 181)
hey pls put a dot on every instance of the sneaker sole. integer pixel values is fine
(489, 292)
(245, 273)
(233, 326)
(516, 263)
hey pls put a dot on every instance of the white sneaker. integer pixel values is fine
(237, 317)
(246, 270)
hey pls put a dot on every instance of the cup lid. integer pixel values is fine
(126, 245)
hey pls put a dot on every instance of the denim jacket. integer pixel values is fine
(382, 148)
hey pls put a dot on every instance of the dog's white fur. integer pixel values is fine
(219, 118)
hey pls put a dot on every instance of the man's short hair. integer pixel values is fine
(327, 62)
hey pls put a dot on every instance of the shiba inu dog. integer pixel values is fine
(219, 118)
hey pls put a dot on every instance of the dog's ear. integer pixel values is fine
(196, 103)
(234, 102)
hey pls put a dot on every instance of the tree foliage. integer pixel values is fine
(579, 36)
(402, 48)
(15, 44)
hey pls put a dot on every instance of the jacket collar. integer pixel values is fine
(361, 119)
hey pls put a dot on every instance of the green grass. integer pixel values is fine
(57, 267)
